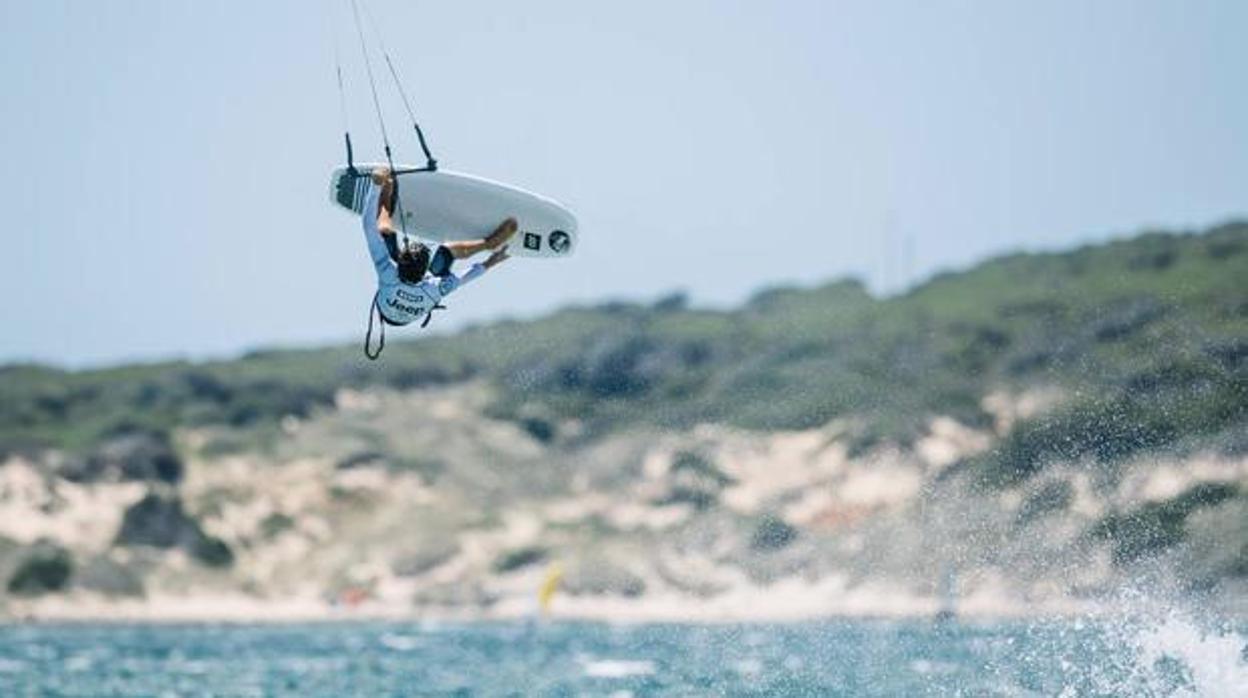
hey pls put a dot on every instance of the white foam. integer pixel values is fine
(617, 668)
(400, 643)
(1213, 659)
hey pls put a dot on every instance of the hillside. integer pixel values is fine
(1041, 428)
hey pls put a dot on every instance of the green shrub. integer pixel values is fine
(44, 568)
(512, 560)
(772, 533)
(211, 551)
(1156, 526)
(1051, 497)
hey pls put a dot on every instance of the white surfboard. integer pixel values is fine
(452, 206)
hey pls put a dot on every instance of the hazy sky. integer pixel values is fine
(164, 192)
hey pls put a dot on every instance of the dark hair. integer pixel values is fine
(413, 263)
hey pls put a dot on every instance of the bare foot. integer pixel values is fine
(502, 234)
(381, 175)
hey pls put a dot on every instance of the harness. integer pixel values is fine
(374, 309)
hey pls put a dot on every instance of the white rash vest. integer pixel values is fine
(401, 303)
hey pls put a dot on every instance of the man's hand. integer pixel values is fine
(497, 258)
(381, 175)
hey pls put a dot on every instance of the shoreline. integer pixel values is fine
(730, 609)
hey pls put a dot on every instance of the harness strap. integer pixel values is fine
(429, 315)
(374, 309)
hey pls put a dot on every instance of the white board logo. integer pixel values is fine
(559, 241)
(532, 241)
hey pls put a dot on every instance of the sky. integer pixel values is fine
(165, 188)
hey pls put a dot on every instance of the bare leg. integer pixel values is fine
(467, 248)
(461, 249)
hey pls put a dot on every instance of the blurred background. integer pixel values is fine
(881, 310)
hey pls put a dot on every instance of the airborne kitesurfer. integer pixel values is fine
(411, 280)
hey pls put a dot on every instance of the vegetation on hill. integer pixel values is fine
(1150, 336)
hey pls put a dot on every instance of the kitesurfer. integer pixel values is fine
(404, 291)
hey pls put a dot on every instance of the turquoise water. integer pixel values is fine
(565, 659)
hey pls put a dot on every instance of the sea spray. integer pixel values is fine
(1151, 646)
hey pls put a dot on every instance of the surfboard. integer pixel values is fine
(454, 206)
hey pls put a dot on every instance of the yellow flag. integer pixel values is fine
(554, 575)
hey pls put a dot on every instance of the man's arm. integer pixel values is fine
(372, 233)
(452, 283)
(497, 258)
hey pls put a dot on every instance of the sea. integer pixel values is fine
(1105, 657)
